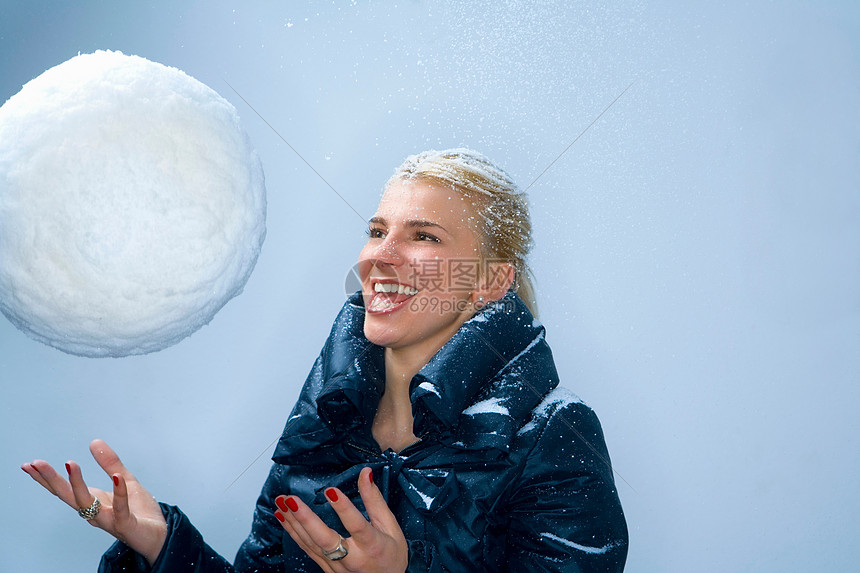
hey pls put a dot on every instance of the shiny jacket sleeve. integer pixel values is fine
(565, 511)
(185, 551)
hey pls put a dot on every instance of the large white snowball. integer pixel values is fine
(132, 206)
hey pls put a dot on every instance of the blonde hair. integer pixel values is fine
(503, 224)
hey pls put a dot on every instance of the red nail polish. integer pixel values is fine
(68, 468)
(115, 481)
(291, 503)
(281, 503)
(331, 494)
(371, 476)
(280, 516)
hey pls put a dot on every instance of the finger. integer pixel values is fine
(108, 459)
(82, 495)
(377, 509)
(53, 482)
(313, 552)
(33, 472)
(296, 531)
(286, 515)
(121, 512)
(312, 530)
(352, 519)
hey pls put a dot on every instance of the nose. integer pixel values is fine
(385, 255)
(385, 252)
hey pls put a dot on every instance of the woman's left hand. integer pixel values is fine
(373, 546)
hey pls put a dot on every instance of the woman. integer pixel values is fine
(433, 410)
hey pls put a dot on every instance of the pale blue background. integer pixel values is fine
(697, 253)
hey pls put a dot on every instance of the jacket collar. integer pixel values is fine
(487, 377)
(354, 372)
(454, 378)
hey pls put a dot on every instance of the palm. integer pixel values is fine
(129, 512)
(143, 511)
(375, 545)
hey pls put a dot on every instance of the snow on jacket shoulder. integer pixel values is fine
(511, 472)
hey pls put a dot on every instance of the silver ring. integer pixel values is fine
(92, 511)
(338, 552)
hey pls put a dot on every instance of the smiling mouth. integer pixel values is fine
(388, 296)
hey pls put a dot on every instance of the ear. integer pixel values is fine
(497, 279)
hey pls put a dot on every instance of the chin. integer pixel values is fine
(377, 332)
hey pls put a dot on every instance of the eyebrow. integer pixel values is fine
(411, 223)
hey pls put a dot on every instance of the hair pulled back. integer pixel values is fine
(502, 221)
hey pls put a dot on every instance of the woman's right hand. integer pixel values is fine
(129, 513)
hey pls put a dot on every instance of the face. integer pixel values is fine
(419, 267)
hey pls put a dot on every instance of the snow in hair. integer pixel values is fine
(501, 208)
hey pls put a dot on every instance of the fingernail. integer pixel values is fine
(24, 470)
(281, 504)
(371, 476)
(68, 468)
(291, 503)
(331, 494)
(115, 481)
(280, 516)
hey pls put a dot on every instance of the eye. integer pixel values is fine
(422, 236)
(376, 233)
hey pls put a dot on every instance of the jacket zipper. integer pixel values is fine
(378, 454)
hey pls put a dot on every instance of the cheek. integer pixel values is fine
(364, 265)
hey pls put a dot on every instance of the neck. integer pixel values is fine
(401, 366)
(392, 425)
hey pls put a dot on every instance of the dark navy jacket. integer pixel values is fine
(511, 472)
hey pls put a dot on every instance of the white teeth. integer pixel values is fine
(395, 287)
